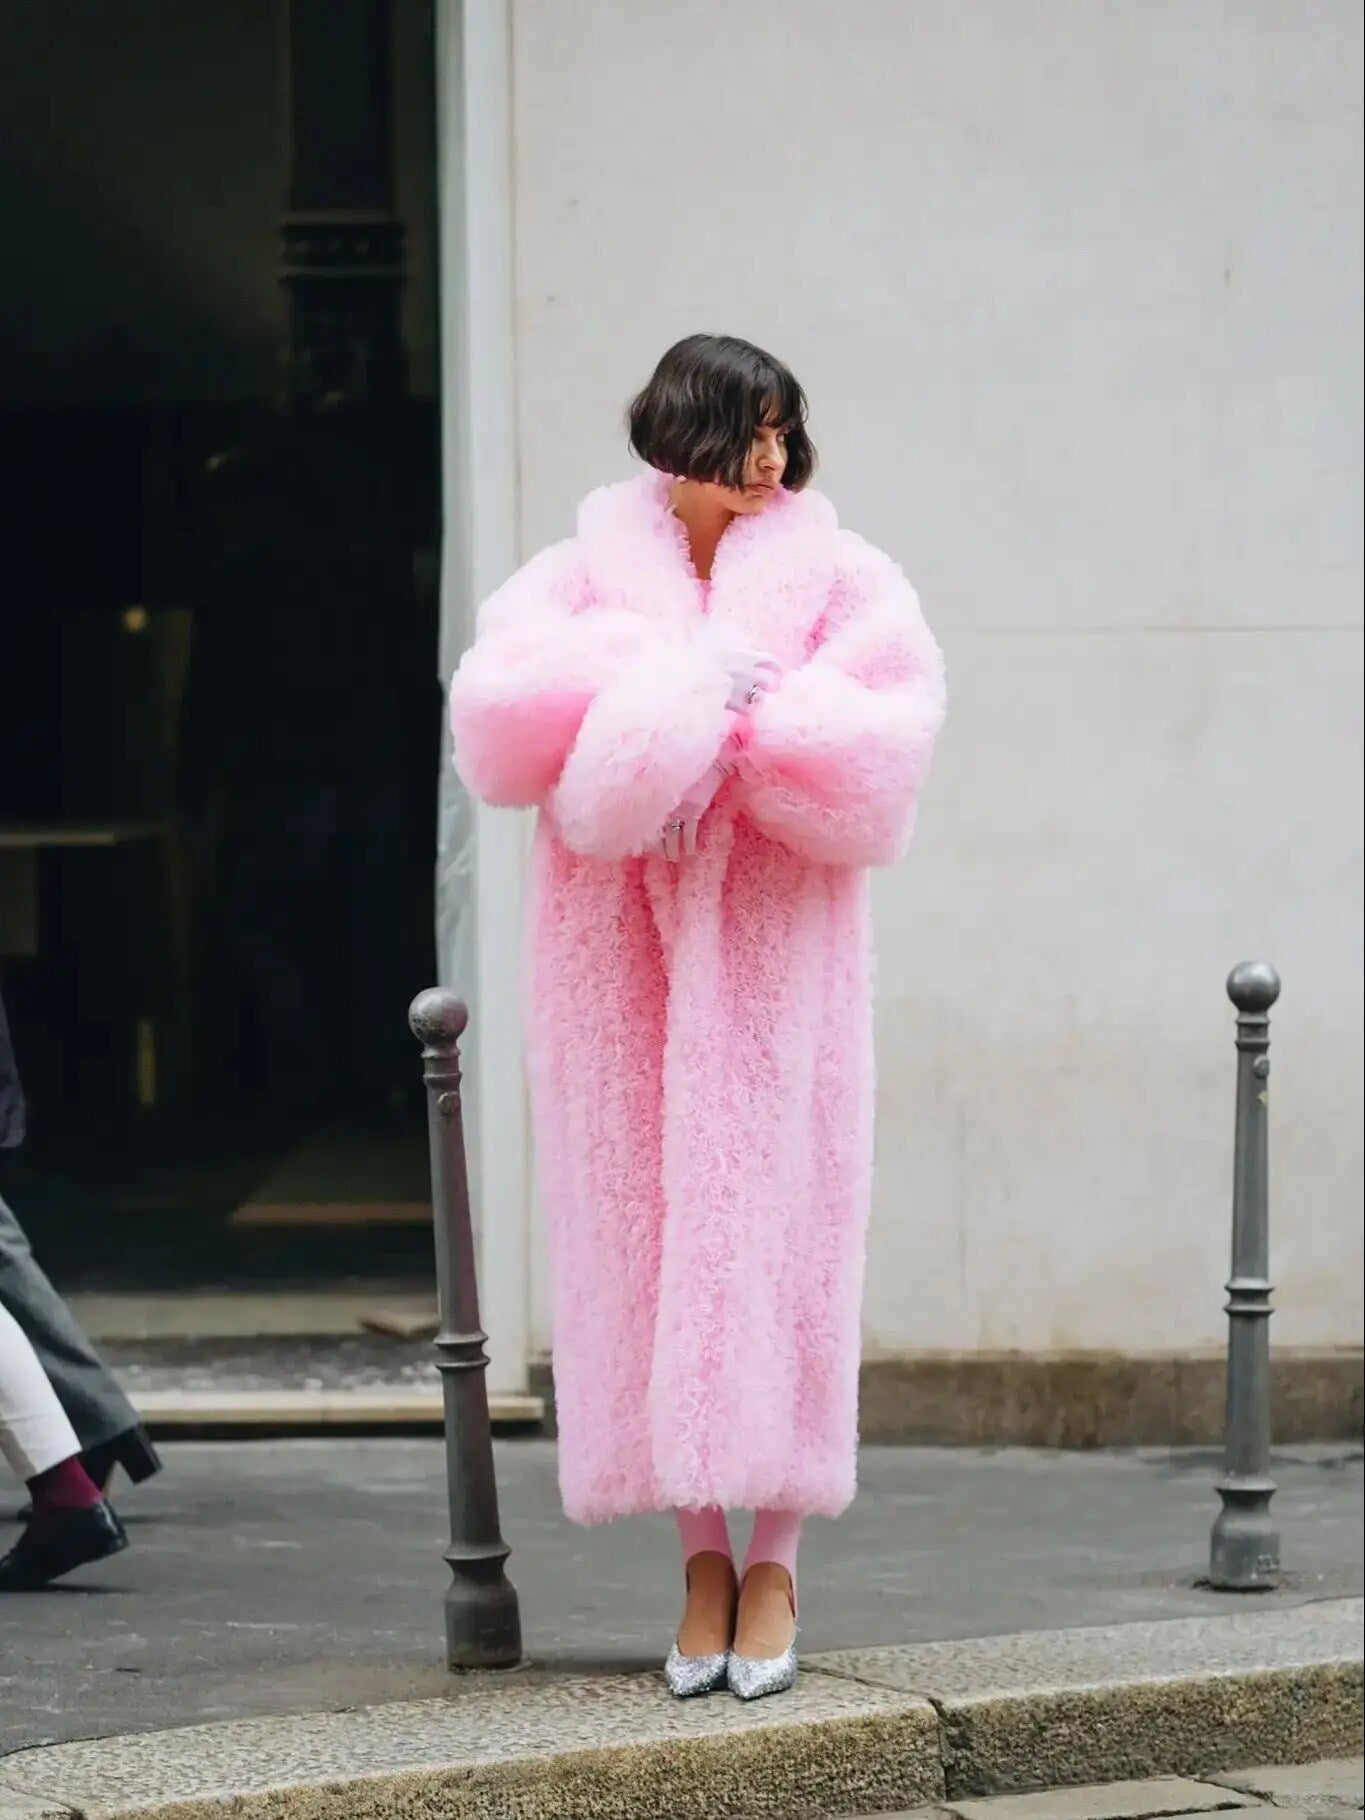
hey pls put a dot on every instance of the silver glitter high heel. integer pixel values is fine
(754, 1677)
(688, 1676)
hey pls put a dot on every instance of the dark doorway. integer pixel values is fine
(219, 714)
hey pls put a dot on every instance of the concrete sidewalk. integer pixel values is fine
(977, 1621)
(277, 1577)
(863, 1732)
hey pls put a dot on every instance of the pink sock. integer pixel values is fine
(703, 1532)
(66, 1486)
(776, 1537)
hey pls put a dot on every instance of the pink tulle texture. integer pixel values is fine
(699, 1033)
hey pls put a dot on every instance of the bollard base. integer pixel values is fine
(483, 1625)
(1244, 1551)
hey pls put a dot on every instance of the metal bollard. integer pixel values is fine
(483, 1625)
(1244, 1552)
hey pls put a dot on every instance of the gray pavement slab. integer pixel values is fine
(288, 1577)
(1326, 1790)
(1340, 1783)
(1146, 1800)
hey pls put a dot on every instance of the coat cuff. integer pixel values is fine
(647, 737)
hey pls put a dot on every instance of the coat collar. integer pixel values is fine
(772, 573)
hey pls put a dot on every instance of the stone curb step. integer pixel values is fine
(385, 1406)
(863, 1732)
(111, 1317)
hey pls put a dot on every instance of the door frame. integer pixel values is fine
(479, 888)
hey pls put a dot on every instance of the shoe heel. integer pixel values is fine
(136, 1455)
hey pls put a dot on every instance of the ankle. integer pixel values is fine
(66, 1486)
(767, 1579)
(765, 1621)
(709, 1614)
(709, 1564)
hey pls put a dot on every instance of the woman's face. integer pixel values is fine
(763, 472)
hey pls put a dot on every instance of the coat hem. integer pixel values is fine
(591, 1515)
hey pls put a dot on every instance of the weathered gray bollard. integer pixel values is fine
(1244, 1554)
(483, 1625)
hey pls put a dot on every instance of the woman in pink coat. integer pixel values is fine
(723, 707)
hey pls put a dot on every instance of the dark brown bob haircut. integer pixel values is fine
(697, 417)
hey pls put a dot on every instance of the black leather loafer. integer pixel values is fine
(61, 1543)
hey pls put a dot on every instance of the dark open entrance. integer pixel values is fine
(219, 718)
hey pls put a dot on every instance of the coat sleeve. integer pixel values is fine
(591, 713)
(835, 756)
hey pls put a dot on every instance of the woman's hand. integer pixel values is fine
(679, 838)
(751, 673)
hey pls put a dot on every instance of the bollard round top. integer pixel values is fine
(438, 1016)
(1254, 986)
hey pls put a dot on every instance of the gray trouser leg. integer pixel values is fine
(89, 1393)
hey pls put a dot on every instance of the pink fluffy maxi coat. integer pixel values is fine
(699, 1032)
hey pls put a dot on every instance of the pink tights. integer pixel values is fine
(776, 1537)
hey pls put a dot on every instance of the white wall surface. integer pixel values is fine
(1075, 289)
